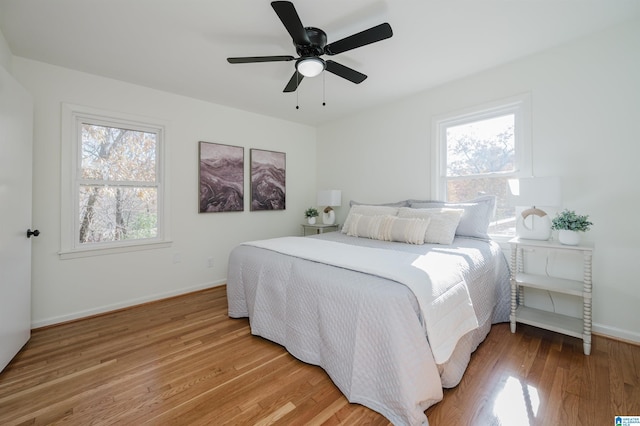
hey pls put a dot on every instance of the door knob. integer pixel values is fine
(35, 233)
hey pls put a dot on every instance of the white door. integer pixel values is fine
(16, 141)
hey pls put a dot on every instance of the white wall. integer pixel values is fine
(5, 54)
(586, 107)
(67, 289)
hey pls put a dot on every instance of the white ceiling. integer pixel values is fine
(181, 46)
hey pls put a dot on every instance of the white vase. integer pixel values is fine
(311, 220)
(569, 238)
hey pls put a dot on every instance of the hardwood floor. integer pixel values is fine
(183, 361)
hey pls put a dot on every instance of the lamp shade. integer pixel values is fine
(330, 197)
(535, 191)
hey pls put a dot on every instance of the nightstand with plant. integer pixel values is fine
(522, 279)
(317, 228)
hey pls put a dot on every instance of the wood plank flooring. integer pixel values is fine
(183, 361)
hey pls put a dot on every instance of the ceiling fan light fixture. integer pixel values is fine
(310, 67)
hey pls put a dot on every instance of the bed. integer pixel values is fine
(392, 320)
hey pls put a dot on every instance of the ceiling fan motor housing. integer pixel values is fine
(318, 39)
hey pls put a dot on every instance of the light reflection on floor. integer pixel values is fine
(517, 403)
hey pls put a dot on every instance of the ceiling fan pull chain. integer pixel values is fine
(323, 89)
(297, 91)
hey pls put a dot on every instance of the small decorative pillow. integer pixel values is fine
(442, 222)
(410, 230)
(366, 210)
(365, 226)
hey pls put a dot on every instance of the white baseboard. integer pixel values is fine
(603, 330)
(125, 304)
(616, 333)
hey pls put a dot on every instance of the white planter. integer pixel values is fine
(569, 238)
(311, 220)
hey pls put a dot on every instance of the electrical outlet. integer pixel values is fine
(210, 262)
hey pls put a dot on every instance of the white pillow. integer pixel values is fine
(442, 222)
(365, 226)
(409, 230)
(366, 210)
(476, 217)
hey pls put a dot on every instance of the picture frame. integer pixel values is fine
(268, 180)
(221, 177)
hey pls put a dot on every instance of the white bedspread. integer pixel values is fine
(365, 329)
(435, 278)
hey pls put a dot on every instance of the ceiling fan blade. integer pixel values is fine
(372, 35)
(294, 82)
(286, 11)
(345, 72)
(251, 59)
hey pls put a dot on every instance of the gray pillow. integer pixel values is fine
(412, 201)
(402, 203)
(476, 217)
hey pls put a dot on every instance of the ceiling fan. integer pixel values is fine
(311, 43)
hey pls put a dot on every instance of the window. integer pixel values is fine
(478, 151)
(116, 181)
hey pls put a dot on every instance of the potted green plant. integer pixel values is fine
(311, 214)
(569, 225)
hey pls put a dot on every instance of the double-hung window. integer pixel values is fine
(116, 198)
(479, 150)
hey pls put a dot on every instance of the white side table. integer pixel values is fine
(320, 228)
(576, 327)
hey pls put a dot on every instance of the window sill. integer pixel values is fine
(102, 251)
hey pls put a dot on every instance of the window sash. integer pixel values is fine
(74, 117)
(101, 182)
(519, 106)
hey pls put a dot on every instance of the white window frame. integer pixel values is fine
(73, 116)
(519, 106)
